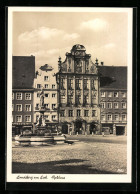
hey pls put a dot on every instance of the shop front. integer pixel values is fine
(21, 128)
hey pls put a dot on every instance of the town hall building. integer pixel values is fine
(78, 93)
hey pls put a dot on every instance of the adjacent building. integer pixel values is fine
(78, 90)
(113, 99)
(46, 81)
(23, 73)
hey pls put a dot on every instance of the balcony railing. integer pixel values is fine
(78, 88)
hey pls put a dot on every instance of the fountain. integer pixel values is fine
(42, 135)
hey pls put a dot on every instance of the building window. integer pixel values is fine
(46, 86)
(19, 118)
(116, 117)
(116, 105)
(38, 86)
(53, 106)
(103, 117)
(78, 113)
(87, 66)
(53, 86)
(78, 84)
(19, 107)
(102, 94)
(70, 84)
(124, 117)
(46, 105)
(123, 105)
(94, 113)
(62, 113)
(62, 98)
(86, 113)
(123, 94)
(28, 118)
(85, 84)
(92, 84)
(19, 96)
(109, 94)
(62, 83)
(70, 98)
(12, 95)
(53, 117)
(37, 105)
(78, 99)
(47, 95)
(38, 95)
(46, 78)
(46, 117)
(12, 107)
(53, 95)
(109, 105)
(28, 107)
(102, 105)
(86, 99)
(70, 113)
(115, 94)
(27, 96)
(109, 117)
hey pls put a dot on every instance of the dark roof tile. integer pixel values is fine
(113, 77)
(23, 72)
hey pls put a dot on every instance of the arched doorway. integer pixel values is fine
(65, 129)
(92, 128)
(78, 127)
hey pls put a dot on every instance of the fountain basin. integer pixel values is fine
(39, 140)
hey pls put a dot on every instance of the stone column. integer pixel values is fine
(125, 130)
(73, 126)
(82, 90)
(90, 91)
(66, 87)
(114, 129)
(68, 128)
(83, 128)
(88, 129)
(74, 94)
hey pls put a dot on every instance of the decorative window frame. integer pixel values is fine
(17, 95)
(30, 108)
(17, 108)
(25, 118)
(17, 120)
(26, 96)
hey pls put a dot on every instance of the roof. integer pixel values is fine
(46, 67)
(23, 72)
(78, 47)
(113, 77)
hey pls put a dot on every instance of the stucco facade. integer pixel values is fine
(78, 90)
(46, 80)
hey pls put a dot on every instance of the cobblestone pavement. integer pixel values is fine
(82, 157)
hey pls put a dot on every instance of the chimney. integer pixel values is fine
(96, 62)
(102, 63)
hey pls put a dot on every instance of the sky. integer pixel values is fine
(48, 35)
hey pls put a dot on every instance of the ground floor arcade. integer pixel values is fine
(79, 127)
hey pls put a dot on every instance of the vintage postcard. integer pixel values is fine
(69, 97)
